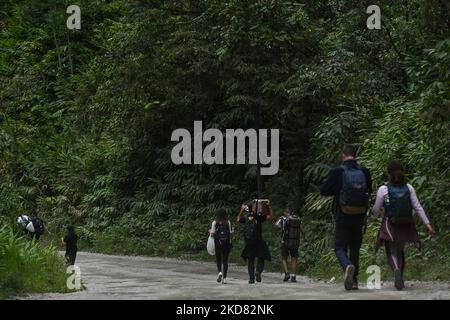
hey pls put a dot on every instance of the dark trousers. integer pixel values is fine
(222, 260)
(347, 242)
(251, 267)
(70, 258)
(395, 255)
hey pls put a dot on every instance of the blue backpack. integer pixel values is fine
(354, 195)
(397, 206)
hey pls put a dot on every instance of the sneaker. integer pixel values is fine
(251, 281)
(398, 279)
(224, 280)
(258, 277)
(219, 277)
(286, 277)
(293, 279)
(348, 277)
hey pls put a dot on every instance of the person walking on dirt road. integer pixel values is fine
(252, 217)
(350, 185)
(398, 199)
(222, 231)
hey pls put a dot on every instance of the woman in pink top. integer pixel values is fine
(396, 232)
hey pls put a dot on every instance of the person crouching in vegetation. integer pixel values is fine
(291, 227)
(38, 225)
(70, 241)
(255, 246)
(25, 225)
(222, 231)
(398, 199)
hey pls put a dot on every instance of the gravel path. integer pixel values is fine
(126, 277)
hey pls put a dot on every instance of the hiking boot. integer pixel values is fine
(251, 281)
(348, 277)
(286, 277)
(224, 281)
(219, 277)
(258, 277)
(293, 279)
(399, 284)
(355, 286)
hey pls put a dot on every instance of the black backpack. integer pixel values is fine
(222, 231)
(291, 231)
(397, 205)
(38, 225)
(354, 195)
(251, 235)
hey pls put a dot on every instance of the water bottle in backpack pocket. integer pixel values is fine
(397, 205)
(354, 195)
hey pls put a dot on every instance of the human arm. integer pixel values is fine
(230, 226)
(419, 210)
(241, 213)
(330, 185)
(212, 231)
(270, 215)
(46, 229)
(368, 181)
(376, 210)
(302, 231)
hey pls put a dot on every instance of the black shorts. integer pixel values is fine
(286, 252)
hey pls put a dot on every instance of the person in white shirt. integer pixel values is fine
(222, 231)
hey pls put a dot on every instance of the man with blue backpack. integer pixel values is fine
(350, 185)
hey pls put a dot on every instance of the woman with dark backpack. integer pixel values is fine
(222, 231)
(398, 199)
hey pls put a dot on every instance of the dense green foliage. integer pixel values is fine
(27, 267)
(87, 114)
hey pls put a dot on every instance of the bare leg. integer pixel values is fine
(285, 265)
(294, 265)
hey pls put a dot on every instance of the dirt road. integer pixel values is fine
(124, 277)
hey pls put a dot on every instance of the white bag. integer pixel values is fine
(210, 246)
(30, 227)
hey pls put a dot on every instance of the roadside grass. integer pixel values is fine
(29, 267)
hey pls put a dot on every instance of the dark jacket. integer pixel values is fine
(260, 249)
(333, 184)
